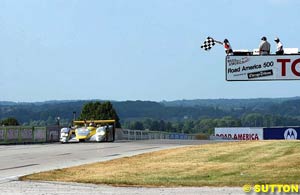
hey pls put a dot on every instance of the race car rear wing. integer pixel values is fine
(94, 121)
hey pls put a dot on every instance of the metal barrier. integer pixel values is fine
(127, 134)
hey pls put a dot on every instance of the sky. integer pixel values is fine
(136, 50)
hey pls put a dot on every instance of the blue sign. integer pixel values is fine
(172, 136)
(282, 133)
(178, 136)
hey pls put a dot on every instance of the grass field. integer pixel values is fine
(221, 164)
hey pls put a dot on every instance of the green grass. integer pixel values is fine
(221, 164)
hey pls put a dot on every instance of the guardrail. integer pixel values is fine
(127, 134)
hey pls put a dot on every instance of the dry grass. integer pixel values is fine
(221, 164)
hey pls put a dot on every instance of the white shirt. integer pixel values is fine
(279, 46)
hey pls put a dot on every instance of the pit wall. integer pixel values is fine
(28, 134)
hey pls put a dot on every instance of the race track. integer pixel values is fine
(18, 160)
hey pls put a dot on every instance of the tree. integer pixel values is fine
(99, 111)
(178, 126)
(169, 126)
(228, 121)
(137, 125)
(252, 120)
(162, 125)
(206, 125)
(155, 126)
(188, 126)
(10, 122)
(147, 123)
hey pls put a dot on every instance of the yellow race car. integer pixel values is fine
(89, 130)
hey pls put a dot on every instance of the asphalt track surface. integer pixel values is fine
(18, 160)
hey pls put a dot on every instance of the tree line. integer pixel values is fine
(207, 125)
(185, 115)
(90, 111)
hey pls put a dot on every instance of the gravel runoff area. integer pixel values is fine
(58, 188)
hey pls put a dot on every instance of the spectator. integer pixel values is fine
(264, 47)
(227, 46)
(279, 50)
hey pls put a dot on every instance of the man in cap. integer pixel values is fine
(279, 50)
(264, 47)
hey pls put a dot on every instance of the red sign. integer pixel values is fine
(293, 66)
(239, 136)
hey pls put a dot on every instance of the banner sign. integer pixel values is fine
(282, 133)
(263, 68)
(239, 133)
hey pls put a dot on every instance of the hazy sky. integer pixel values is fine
(136, 49)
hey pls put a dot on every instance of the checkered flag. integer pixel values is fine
(208, 44)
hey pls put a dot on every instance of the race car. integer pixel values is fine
(89, 130)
